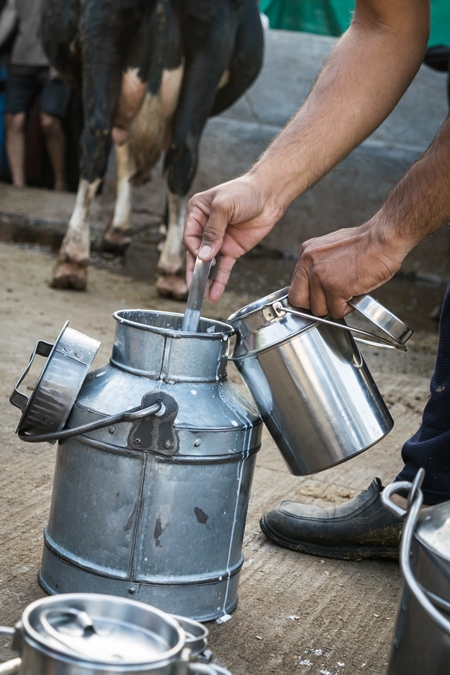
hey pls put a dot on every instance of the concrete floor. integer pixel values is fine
(296, 613)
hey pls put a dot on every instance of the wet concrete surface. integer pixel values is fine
(296, 613)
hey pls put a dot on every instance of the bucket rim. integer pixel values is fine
(225, 329)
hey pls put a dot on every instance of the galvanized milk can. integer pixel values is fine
(154, 468)
(421, 641)
(309, 379)
(90, 634)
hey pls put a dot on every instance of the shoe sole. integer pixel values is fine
(338, 552)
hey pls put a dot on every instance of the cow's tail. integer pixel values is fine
(146, 139)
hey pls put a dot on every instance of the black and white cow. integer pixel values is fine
(151, 72)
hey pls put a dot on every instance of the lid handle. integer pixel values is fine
(81, 617)
(17, 398)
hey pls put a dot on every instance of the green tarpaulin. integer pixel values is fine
(332, 17)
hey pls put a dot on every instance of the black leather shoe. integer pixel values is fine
(360, 528)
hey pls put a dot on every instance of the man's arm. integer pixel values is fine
(365, 75)
(334, 268)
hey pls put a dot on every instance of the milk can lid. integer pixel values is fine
(103, 629)
(433, 530)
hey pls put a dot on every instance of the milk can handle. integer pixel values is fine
(126, 416)
(397, 331)
(11, 667)
(415, 501)
(206, 669)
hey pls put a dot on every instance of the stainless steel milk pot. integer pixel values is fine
(421, 641)
(90, 634)
(153, 468)
(310, 382)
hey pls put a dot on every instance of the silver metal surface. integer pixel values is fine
(268, 321)
(196, 294)
(128, 519)
(67, 364)
(92, 634)
(311, 386)
(422, 634)
(11, 667)
(381, 317)
(196, 635)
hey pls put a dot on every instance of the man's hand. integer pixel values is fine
(229, 219)
(338, 266)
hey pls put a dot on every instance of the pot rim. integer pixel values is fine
(50, 643)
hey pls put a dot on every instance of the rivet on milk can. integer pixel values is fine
(310, 382)
(92, 634)
(154, 465)
(421, 641)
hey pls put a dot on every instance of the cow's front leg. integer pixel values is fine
(171, 277)
(70, 270)
(117, 235)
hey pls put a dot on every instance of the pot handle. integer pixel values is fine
(415, 500)
(10, 667)
(206, 669)
(396, 331)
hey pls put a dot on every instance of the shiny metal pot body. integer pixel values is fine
(311, 385)
(421, 642)
(155, 510)
(92, 634)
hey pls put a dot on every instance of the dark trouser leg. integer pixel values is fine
(430, 446)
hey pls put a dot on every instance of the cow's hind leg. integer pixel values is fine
(104, 35)
(171, 279)
(117, 235)
(70, 270)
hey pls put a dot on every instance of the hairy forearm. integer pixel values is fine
(420, 203)
(364, 77)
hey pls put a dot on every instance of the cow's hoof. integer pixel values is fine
(115, 241)
(69, 275)
(172, 286)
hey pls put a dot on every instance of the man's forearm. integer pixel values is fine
(420, 203)
(364, 77)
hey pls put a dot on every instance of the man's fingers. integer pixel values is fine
(299, 290)
(307, 291)
(218, 285)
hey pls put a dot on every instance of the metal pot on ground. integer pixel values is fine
(89, 634)
(421, 641)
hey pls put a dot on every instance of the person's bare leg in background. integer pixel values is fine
(15, 146)
(56, 145)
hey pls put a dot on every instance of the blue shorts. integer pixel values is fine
(24, 83)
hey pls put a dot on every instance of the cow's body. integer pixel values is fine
(151, 72)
